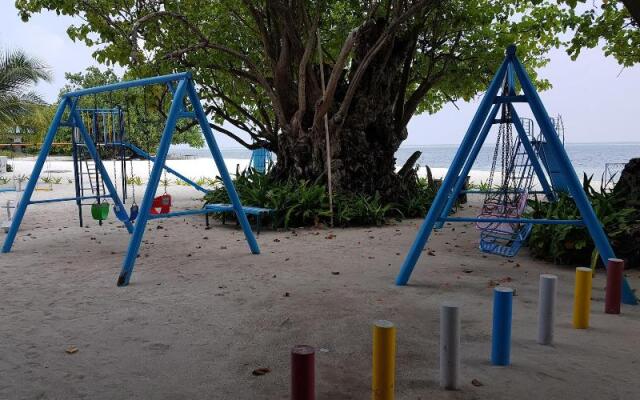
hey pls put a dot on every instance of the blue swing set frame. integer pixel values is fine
(182, 87)
(510, 69)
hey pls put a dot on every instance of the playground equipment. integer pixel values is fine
(185, 104)
(260, 159)
(510, 199)
(611, 174)
(510, 71)
(105, 127)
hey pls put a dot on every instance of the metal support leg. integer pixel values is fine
(154, 179)
(449, 180)
(222, 168)
(35, 175)
(575, 187)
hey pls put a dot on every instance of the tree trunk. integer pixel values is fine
(363, 145)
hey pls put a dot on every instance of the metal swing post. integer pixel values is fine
(35, 175)
(473, 155)
(154, 179)
(222, 168)
(575, 187)
(449, 180)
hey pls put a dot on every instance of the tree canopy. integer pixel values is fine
(144, 108)
(258, 64)
(248, 74)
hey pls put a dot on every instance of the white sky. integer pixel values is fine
(598, 102)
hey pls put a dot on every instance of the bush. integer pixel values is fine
(572, 244)
(304, 203)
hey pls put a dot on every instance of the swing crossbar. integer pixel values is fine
(155, 80)
(510, 99)
(62, 199)
(515, 220)
(179, 214)
(475, 191)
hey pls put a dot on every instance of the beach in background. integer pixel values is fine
(197, 163)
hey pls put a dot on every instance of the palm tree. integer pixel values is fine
(18, 72)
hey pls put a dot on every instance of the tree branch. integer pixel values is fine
(362, 68)
(332, 84)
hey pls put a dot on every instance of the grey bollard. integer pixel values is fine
(449, 346)
(546, 308)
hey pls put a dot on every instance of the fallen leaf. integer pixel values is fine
(71, 350)
(476, 382)
(335, 272)
(260, 371)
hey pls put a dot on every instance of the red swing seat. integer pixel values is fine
(161, 204)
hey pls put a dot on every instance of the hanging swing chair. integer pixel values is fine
(161, 204)
(509, 199)
(100, 211)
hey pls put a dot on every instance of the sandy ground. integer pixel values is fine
(202, 313)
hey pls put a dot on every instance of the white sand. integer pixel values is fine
(202, 313)
(191, 168)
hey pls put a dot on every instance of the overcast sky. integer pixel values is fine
(598, 101)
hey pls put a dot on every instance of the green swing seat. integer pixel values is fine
(100, 211)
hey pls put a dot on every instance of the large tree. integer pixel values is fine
(258, 69)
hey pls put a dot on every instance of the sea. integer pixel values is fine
(589, 158)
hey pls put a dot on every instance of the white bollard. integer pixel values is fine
(546, 308)
(449, 346)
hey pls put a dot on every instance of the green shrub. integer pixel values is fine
(572, 244)
(304, 203)
(51, 180)
(134, 180)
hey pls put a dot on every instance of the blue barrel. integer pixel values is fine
(501, 333)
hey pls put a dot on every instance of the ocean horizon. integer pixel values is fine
(589, 158)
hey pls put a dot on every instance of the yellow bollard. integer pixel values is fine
(582, 298)
(384, 360)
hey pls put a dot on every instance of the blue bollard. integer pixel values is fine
(501, 335)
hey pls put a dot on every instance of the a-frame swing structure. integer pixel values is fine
(511, 70)
(182, 88)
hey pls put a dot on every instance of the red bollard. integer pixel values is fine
(613, 294)
(303, 373)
